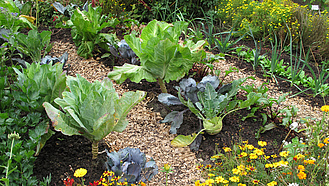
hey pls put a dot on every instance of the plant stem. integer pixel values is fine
(162, 85)
(94, 149)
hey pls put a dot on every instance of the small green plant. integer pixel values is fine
(34, 43)
(86, 27)
(161, 56)
(92, 110)
(226, 45)
(167, 170)
(14, 136)
(212, 107)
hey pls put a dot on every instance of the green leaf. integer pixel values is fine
(133, 72)
(59, 120)
(183, 141)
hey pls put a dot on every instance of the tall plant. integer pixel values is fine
(162, 57)
(92, 110)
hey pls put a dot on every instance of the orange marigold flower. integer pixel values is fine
(320, 145)
(326, 140)
(301, 175)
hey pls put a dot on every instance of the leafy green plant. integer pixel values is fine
(13, 18)
(131, 165)
(226, 45)
(318, 83)
(92, 110)
(212, 107)
(33, 44)
(39, 83)
(86, 27)
(161, 56)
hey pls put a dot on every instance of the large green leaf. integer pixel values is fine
(133, 72)
(59, 120)
(124, 105)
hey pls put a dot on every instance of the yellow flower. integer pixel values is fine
(262, 143)
(197, 183)
(326, 140)
(250, 147)
(227, 149)
(234, 179)
(253, 156)
(302, 175)
(80, 172)
(284, 153)
(209, 182)
(211, 175)
(166, 167)
(301, 167)
(325, 108)
(241, 184)
(272, 183)
(236, 171)
(259, 152)
(320, 145)
(268, 165)
(219, 179)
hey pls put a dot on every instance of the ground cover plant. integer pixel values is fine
(25, 126)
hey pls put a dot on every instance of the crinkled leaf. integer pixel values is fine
(184, 83)
(168, 99)
(128, 71)
(176, 119)
(213, 80)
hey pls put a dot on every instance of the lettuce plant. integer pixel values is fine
(212, 108)
(86, 27)
(162, 57)
(92, 110)
(131, 165)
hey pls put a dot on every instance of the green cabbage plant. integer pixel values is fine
(162, 57)
(92, 110)
(212, 107)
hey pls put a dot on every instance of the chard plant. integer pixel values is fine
(212, 108)
(162, 57)
(92, 110)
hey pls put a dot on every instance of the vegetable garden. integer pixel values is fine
(221, 92)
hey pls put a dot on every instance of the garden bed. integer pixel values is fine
(145, 131)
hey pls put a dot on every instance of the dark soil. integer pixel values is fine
(63, 154)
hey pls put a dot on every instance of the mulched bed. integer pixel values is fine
(63, 154)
